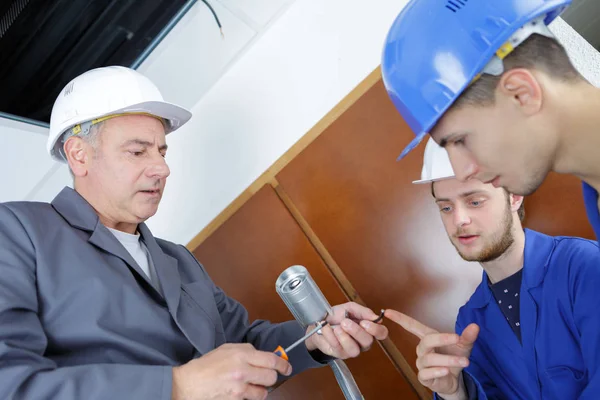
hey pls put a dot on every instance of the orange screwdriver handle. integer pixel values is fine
(281, 353)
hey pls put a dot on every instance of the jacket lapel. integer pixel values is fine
(538, 248)
(190, 317)
(190, 320)
(494, 322)
(80, 214)
(166, 269)
(102, 238)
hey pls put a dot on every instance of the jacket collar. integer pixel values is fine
(538, 250)
(75, 209)
(81, 215)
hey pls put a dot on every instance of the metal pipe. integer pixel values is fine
(30, 121)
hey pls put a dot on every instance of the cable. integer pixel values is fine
(214, 15)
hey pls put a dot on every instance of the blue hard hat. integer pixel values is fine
(435, 48)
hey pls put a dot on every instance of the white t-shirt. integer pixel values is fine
(138, 250)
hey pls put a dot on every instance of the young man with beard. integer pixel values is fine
(531, 328)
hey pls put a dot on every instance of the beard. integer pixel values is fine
(499, 243)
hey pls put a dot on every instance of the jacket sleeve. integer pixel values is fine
(584, 281)
(263, 335)
(25, 372)
(474, 389)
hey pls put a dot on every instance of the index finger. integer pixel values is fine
(265, 359)
(410, 324)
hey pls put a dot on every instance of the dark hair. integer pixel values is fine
(536, 52)
(520, 211)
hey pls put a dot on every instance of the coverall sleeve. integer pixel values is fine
(25, 373)
(474, 389)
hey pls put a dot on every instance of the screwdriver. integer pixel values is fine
(281, 352)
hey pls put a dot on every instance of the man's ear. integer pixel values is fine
(77, 155)
(515, 202)
(521, 87)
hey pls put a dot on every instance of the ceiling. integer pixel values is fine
(185, 65)
(194, 56)
(45, 43)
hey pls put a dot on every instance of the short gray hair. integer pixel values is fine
(91, 138)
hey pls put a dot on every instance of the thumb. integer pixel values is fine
(468, 337)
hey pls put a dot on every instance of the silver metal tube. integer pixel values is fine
(307, 303)
(345, 380)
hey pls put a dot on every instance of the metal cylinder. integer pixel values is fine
(307, 303)
(302, 296)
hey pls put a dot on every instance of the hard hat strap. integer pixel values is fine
(495, 66)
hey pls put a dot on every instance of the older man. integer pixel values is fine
(92, 306)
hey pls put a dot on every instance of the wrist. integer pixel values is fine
(310, 344)
(459, 394)
(175, 392)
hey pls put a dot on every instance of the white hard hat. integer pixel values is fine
(436, 164)
(103, 92)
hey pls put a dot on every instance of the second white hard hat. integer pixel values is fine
(104, 92)
(436, 164)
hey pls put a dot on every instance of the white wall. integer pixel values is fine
(24, 164)
(583, 55)
(277, 79)
(584, 16)
(314, 54)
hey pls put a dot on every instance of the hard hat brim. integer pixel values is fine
(175, 115)
(414, 143)
(423, 181)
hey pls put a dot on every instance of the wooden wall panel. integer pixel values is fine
(384, 232)
(245, 256)
(557, 208)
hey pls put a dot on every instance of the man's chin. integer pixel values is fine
(470, 255)
(144, 213)
(526, 187)
(466, 253)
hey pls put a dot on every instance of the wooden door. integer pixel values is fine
(246, 255)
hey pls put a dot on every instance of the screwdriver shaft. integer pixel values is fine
(309, 334)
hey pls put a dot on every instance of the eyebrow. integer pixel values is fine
(144, 143)
(463, 195)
